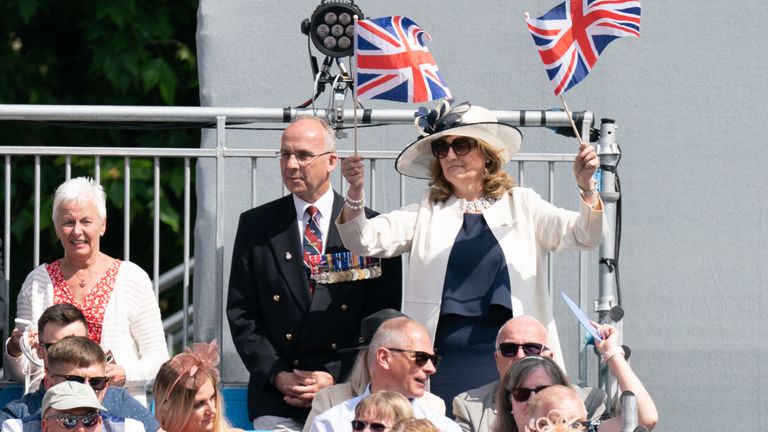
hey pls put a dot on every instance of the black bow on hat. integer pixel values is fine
(440, 118)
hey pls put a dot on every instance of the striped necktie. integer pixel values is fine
(313, 242)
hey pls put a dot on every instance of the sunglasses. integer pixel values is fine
(359, 425)
(420, 357)
(47, 345)
(96, 383)
(509, 349)
(522, 394)
(581, 425)
(69, 421)
(460, 145)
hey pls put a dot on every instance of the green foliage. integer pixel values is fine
(98, 52)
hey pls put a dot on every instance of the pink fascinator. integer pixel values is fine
(195, 365)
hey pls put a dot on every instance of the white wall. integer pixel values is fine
(688, 97)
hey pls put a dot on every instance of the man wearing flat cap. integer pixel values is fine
(71, 406)
(68, 406)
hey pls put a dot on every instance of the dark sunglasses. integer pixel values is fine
(69, 421)
(522, 394)
(420, 357)
(47, 345)
(359, 425)
(509, 349)
(460, 145)
(96, 383)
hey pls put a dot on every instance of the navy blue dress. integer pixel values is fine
(476, 303)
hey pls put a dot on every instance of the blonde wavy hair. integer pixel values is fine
(178, 381)
(496, 181)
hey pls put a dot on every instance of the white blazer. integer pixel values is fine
(526, 227)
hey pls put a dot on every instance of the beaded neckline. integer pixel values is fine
(478, 205)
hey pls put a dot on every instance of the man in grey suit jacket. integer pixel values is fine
(475, 409)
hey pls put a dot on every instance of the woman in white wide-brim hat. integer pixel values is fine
(477, 243)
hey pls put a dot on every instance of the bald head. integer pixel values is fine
(557, 402)
(396, 357)
(519, 330)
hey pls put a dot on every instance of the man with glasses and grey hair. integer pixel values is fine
(287, 324)
(400, 359)
(77, 359)
(520, 337)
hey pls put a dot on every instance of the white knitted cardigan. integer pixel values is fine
(132, 327)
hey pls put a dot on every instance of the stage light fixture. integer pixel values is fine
(331, 27)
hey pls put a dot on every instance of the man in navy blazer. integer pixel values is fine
(286, 331)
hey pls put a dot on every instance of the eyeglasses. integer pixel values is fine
(69, 421)
(96, 383)
(302, 157)
(583, 425)
(522, 394)
(420, 357)
(460, 145)
(509, 349)
(359, 425)
(47, 345)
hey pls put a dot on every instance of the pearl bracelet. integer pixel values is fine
(612, 351)
(354, 205)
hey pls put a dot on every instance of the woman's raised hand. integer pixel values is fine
(585, 165)
(353, 170)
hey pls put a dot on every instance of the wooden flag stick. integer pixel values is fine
(570, 119)
(354, 84)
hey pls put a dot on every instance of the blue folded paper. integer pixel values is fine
(580, 316)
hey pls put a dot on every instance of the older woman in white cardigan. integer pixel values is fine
(115, 296)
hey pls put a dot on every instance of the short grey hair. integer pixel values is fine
(80, 189)
(392, 333)
(330, 134)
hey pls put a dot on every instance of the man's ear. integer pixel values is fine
(383, 357)
(333, 160)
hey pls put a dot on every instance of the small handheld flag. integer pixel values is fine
(393, 63)
(571, 36)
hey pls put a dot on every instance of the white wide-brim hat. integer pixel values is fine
(462, 120)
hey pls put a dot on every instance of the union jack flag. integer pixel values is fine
(571, 36)
(394, 64)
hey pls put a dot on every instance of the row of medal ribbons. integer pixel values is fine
(343, 267)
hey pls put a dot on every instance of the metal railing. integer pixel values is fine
(218, 118)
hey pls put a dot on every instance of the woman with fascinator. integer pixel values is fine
(187, 394)
(477, 243)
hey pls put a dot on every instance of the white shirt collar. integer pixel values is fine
(324, 206)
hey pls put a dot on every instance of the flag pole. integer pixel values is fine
(354, 84)
(570, 119)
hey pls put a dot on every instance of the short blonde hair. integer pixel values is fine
(496, 181)
(414, 425)
(386, 404)
(549, 399)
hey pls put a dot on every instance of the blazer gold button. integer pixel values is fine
(333, 345)
(288, 336)
(295, 362)
(276, 298)
(344, 307)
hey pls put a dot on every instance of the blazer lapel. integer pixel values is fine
(288, 252)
